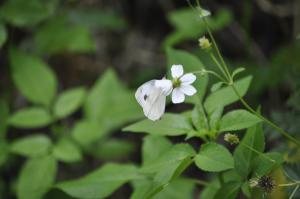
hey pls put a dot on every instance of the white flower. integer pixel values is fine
(180, 86)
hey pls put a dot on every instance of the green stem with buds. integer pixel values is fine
(229, 78)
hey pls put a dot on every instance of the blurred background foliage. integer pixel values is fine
(68, 70)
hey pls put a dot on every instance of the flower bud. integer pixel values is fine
(231, 138)
(204, 43)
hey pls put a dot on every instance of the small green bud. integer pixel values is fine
(204, 43)
(231, 138)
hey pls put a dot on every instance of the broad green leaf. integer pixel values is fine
(214, 157)
(226, 95)
(228, 190)
(195, 28)
(87, 132)
(199, 118)
(167, 167)
(100, 183)
(31, 146)
(27, 13)
(263, 166)
(36, 177)
(4, 114)
(153, 147)
(190, 63)
(35, 80)
(170, 124)
(106, 102)
(243, 156)
(112, 149)
(58, 36)
(178, 189)
(68, 102)
(67, 151)
(33, 117)
(210, 190)
(214, 118)
(97, 19)
(237, 120)
(3, 34)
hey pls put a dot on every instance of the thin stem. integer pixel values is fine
(258, 152)
(209, 72)
(199, 182)
(280, 130)
(294, 192)
(289, 184)
(218, 64)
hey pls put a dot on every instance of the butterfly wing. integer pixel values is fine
(151, 100)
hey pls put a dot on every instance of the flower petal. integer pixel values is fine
(187, 79)
(165, 85)
(188, 89)
(177, 96)
(177, 71)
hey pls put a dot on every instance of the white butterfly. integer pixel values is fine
(151, 99)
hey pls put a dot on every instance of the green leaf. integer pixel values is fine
(237, 71)
(4, 114)
(94, 18)
(190, 63)
(87, 132)
(58, 36)
(237, 120)
(112, 149)
(214, 158)
(31, 146)
(228, 190)
(216, 86)
(226, 95)
(210, 190)
(153, 147)
(167, 167)
(3, 34)
(68, 102)
(67, 151)
(214, 118)
(33, 77)
(178, 189)
(170, 124)
(100, 183)
(263, 166)
(36, 177)
(199, 118)
(27, 13)
(33, 117)
(105, 102)
(243, 156)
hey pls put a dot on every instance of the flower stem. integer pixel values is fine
(280, 130)
(203, 71)
(289, 184)
(199, 182)
(258, 152)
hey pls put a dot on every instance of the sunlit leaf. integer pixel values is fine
(170, 124)
(101, 182)
(67, 151)
(31, 146)
(33, 77)
(237, 120)
(36, 177)
(68, 102)
(214, 157)
(33, 117)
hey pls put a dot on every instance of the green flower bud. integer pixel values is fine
(231, 138)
